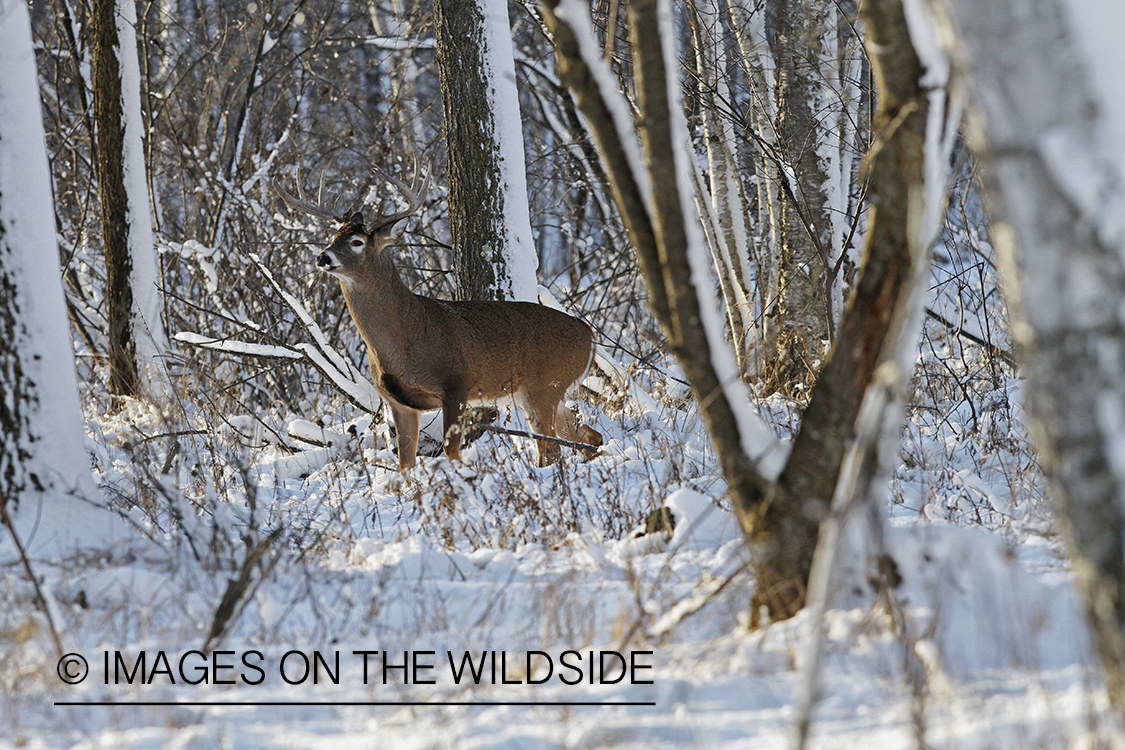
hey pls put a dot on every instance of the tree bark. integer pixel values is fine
(488, 215)
(730, 236)
(799, 320)
(801, 498)
(114, 202)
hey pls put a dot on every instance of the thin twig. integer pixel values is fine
(177, 433)
(30, 574)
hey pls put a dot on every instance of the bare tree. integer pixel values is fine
(802, 66)
(799, 319)
(723, 206)
(488, 210)
(132, 313)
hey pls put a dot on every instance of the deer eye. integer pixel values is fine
(357, 242)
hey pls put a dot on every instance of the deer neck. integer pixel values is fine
(383, 309)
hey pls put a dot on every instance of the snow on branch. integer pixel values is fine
(267, 351)
(318, 352)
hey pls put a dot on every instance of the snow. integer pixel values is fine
(322, 355)
(374, 562)
(237, 347)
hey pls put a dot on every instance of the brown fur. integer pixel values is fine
(427, 353)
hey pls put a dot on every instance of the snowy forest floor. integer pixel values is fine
(280, 548)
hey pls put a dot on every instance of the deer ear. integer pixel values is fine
(357, 218)
(394, 231)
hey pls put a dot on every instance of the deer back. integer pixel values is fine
(508, 347)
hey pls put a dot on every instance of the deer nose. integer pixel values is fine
(325, 261)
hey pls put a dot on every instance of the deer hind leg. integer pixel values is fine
(567, 426)
(540, 408)
(406, 428)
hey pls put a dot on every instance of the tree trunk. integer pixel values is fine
(136, 334)
(799, 321)
(730, 231)
(494, 256)
(41, 450)
(646, 190)
(787, 533)
(749, 29)
(1038, 120)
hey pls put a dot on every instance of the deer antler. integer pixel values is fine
(299, 203)
(413, 193)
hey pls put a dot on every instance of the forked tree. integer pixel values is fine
(780, 504)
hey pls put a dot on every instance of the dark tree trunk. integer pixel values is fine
(109, 118)
(476, 196)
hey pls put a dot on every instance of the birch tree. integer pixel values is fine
(1046, 98)
(799, 319)
(41, 448)
(494, 255)
(803, 66)
(136, 334)
(723, 206)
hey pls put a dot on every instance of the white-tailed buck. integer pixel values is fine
(428, 353)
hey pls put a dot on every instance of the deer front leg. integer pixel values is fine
(452, 408)
(406, 428)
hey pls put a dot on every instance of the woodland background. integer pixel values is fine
(246, 464)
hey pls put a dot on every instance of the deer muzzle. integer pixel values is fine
(326, 261)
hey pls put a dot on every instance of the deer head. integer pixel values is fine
(357, 241)
(429, 354)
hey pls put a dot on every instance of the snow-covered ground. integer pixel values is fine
(480, 599)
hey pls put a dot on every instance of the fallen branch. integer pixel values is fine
(958, 330)
(584, 447)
